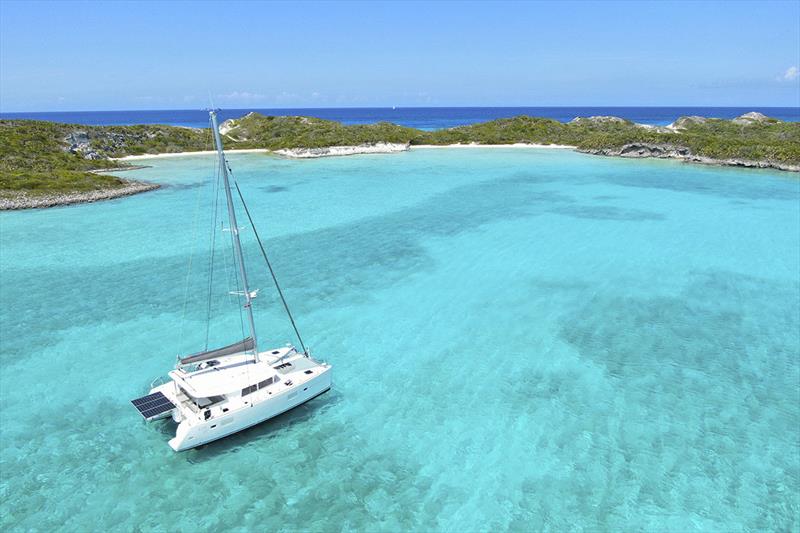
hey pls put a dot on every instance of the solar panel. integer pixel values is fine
(153, 404)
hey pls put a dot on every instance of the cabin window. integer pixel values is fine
(211, 400)
(260, 385)
(267, 382)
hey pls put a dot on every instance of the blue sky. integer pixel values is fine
(148, 55)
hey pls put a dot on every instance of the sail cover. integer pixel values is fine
(236, 347)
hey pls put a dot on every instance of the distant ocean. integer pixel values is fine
(428, 118)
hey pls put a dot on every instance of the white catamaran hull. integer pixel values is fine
(191, 434)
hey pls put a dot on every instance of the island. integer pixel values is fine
(44, 164)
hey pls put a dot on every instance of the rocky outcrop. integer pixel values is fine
(600, 119)
(671, 151)
(369, 148)
(684, 122)
(232, 123)
(754, 117)
(657, 129)
(745, 163)
(77, 142)
(102, 142)
(18, 200)
(642, 150)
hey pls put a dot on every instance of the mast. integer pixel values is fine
(235, 231)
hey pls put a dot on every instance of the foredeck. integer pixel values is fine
(295, 365)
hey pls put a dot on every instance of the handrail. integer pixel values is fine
(161, 380)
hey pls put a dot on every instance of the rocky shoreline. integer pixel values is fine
(670, 151)
(17, 200)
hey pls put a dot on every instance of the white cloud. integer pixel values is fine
(242, 96)
(791, 74)
(286, 97)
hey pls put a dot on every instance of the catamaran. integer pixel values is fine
(215, 393)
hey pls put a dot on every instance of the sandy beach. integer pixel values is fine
(477, 145)
(279, 152)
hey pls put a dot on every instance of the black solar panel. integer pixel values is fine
(153, 405)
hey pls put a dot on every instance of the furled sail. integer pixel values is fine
(236, 347)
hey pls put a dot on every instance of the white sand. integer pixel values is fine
(333, 151)
(476, 145)
(279, 152)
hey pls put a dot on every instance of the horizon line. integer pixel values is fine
(413, 107)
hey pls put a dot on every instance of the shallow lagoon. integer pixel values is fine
(521, 339)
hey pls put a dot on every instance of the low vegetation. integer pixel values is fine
(275, 133)
(769, 140)
(44, 158)
(760, 139)
(38, 158)
(33, 160)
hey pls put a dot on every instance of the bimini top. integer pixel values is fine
(236, 347)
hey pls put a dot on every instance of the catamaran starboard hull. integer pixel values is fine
(190, 436)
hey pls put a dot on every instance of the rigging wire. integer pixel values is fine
(211, 255)
(227, 262)
(189, 272)
(239, 291)
(271, 271)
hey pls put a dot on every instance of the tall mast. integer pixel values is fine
(234, 231)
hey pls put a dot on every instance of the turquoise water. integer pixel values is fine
(522, 339)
